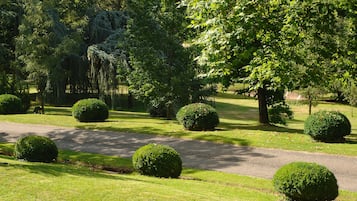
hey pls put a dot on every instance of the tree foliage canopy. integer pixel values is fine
(272, 45)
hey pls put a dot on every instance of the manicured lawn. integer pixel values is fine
(238, 126)
(77, 176)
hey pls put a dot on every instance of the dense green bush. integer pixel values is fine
(10, 104)
(198, 116)
(327, 126)
(36, 149)
(279, 112)
(90, 110)
(301, 181)
(157, 160)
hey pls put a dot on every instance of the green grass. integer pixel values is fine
(238, 125)
(82, 180)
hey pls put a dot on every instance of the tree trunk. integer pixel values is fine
(42, 102)
(310, 106)
(263, 108)
(130, 100)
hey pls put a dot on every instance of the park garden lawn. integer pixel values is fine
(78, 176)
(238, 125)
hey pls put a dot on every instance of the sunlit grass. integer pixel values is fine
(82, 180)
(239, 125)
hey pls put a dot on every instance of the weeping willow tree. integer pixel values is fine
(105, 56)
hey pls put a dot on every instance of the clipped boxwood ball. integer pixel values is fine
(198, 117)
(36, 149)
(157, 160)
(90, 110)
(327, 126)
(306, 182)
(10, 104)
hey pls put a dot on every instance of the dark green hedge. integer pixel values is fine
(90, 110)
(303, 181)
(198, 116)
(36, 149)
(10, 104)
(327, 126)
(157, 160)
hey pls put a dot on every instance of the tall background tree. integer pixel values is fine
(10, 74)
(161, 70)
(272, 45)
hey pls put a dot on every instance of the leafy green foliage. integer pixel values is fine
(198, 116)
(270, 44)
(306, 182)
(90, 110)
(157, 160)
(10, 104)
(36, 149)
(278, 113)
(327, 126)
(161, 72)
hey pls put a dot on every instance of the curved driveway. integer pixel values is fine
(257, 162)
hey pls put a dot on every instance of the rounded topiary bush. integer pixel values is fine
(90, 110)
(157, 160)
(10, 104)
(36, 149)
(327, 126)
(198, 116)
(303, 181)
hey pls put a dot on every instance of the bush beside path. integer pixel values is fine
(243, 160)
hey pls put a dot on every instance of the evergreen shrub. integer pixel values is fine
(36, 149)
(157, 160)
(90, 110)
(10, 104)
(301, 181)
(327, 126)
(198, 117)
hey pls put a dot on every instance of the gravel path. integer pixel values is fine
(257, 162)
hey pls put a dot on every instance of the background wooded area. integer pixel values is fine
(167, 53)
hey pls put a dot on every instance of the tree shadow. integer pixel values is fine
(58, 170)
(236, 112)
(272, 128)
(194, 153)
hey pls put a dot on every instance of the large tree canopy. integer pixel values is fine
(161, 71)
(271, 44)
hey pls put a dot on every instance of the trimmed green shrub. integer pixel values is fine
(10, 104)
(157, 160)
(90, 110)
(327, 126)
(279, 112)
(36, 149)
(301, 181)
(198, 116)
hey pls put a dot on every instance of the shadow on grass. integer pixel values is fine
(58, 170)
(65, 111)
(236, 112)
(273, 128)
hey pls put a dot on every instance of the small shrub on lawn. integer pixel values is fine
(157, 160)
(279, 113)
(10, 104)
(198, 116)
(327, 126)
(90, 110)
(36, 149)
(303, 181)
